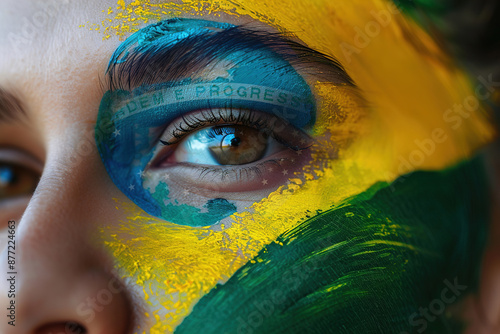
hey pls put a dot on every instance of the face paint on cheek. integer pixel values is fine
(396, 248)
(176, 265)
(252, 79)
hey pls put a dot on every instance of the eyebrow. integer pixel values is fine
(11, 109)
(194, 54)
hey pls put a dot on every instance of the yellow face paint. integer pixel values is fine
(417, 112)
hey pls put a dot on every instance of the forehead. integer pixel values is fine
(54, 53)
(28, 27)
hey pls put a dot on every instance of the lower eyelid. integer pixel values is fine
(20, 157)
(275, 170)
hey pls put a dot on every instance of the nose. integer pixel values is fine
(59, 279)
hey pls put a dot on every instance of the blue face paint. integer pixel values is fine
(134, 120)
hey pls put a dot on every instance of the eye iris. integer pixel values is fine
(16, 181)
(238, 145)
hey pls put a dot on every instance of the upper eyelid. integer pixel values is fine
(147, 69)
(196, 53)
(257, 119)
(207, 117)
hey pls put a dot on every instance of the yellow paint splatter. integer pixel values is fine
(408, 88)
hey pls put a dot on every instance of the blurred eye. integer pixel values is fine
(225, 145)
(19, 175)
(16, 181)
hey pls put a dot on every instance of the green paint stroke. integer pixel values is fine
(365, 267)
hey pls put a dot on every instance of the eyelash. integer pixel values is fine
(246, 117)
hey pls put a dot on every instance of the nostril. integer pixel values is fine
(67, 327)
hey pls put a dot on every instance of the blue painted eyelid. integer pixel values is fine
(164, 105)
(270, 83)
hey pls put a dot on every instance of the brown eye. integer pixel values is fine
(255, 140)
(237, 144)
(16, 181)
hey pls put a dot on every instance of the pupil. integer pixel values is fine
(236, 141)
(237, 144)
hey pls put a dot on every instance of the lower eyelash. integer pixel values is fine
(272, 171)
(219, 174)
(225, 172)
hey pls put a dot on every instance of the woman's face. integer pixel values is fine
(228, 167)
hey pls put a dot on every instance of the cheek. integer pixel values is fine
(173, 266)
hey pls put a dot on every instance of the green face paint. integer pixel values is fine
(390, 254)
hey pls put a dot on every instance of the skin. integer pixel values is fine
(57, 79)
